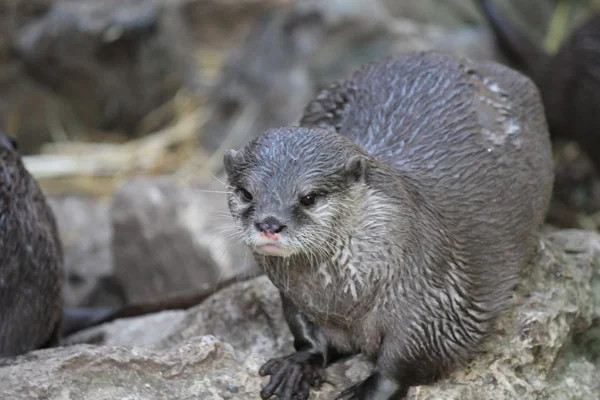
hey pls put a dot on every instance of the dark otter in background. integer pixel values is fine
(569, 81)
(396, 220)
(31, 270)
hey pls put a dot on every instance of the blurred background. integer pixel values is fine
(123, 110)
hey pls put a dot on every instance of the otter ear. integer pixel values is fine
(356, 168)
(230, 160)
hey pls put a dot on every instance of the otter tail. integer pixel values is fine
(79, 318)
(521, 52)
(76, 319)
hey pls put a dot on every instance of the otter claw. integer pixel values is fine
(292, 376)
(270, 367)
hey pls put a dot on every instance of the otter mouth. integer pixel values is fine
(272, 250)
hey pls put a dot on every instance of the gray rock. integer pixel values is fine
(85, 231)
(264, 81)
(218, 24)
(114, 61)
(171, 237)
(175, 354)
(204, 368)
(537, 352)
(25, 107)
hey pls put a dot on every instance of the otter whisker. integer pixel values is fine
(218, 180)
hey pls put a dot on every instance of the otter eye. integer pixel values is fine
(309, 199)
(246, 196)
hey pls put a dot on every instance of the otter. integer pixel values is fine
(568, 81)
(31, 257)
(396, 218)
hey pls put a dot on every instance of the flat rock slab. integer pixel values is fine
(214, 350)
(171, 236)
(85, 232)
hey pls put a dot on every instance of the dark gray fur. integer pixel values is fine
(31, 270)
(434, 175)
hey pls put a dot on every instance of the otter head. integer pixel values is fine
(294, 191)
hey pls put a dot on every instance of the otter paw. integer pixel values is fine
(292, 376)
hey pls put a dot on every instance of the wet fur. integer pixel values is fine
(437, 174)
(569, 81)
(31, 257)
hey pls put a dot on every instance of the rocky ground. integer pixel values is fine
(90, 70)
(542, 350)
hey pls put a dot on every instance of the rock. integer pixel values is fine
(264, 81)
(85, 231)
(538, 352)
(220, 23)
(214, 350)
(204, 368)
(121, 59)
(24, 106)
(34, 114)
(171, 237)
(252, 307)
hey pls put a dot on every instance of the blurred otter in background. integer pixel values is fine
(569, 81)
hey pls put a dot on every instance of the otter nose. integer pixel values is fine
(270, 225)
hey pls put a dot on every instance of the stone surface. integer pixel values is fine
(37, 115)
(264, 81)
(170, 236)
(113, 61)
(538, 351)
(219, 23)
(205, 368)
(25, 107)
(85, 231)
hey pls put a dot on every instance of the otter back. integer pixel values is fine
(465, 133)
(31, 271)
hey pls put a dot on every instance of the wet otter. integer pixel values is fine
(569, 81)
(396, 218)
(31, 270)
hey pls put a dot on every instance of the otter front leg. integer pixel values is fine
(391, 378)
(293, 375)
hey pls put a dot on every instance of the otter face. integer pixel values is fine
(295, 190)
